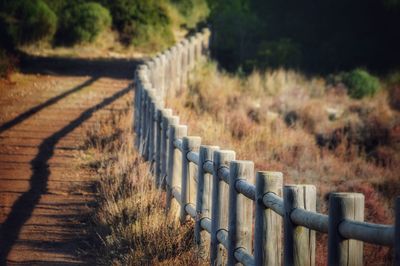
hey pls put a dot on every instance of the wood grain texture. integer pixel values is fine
(174, 168)
(240, 210)
(203, 200)
(268, 224)
(299, 242)
(219, 209)
(344, 206)
(189, 143)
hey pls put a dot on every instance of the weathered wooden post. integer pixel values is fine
(138, 117)
(206, 41)
(192, 52)
(240, 210)
(203, 199)
(190, 143)
(174, 178)
(149, 123)
(397, 234)
(163, 63)
(168, 120)
(185, 63)
(299, 242)
(167, 74)
(344, 251)
(198, 47)
(268, 225)
(220, 207)
(152, 72)
(157, 73)
(173, 71)
(152, 125)
(179, 67)
(160, 114)
(140, 76)
(144, 123)
(141, 118)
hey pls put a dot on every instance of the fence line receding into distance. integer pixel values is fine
(208, 185)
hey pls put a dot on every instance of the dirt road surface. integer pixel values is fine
(45, 193)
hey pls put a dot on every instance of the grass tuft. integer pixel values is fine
(130, 221)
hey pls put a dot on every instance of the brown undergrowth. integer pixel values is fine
(130, 222)
(307, 129)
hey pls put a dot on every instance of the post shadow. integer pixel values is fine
(23, 207)
(116, 68)
(25, 115)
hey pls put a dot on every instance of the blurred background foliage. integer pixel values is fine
(322, 36)
(315, 37)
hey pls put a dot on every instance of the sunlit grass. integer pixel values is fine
(130, 222)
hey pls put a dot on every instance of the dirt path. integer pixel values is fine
(45, 192)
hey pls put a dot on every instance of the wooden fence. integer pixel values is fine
(208, 185)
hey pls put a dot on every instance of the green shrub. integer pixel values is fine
(144, 23)
(360, 83)
(31, 21)
(82, 23)
(192, 11)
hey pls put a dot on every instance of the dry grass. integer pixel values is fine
(130, 221)
(312, 132)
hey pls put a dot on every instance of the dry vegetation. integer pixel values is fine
(130, 222)
(310, 130)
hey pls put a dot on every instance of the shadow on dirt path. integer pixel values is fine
(116, 68)
(23, 207)
(20, 118)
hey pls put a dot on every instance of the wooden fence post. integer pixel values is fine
(192, 52)
(185, 64)
(174, 168)
(142, 118)
(179, 67)
(268, 224)
(145, 123)
(397, 234)
(160, 114)
(150, 65)
(219, 208)
(206, 41)
(190, 143)
(138, 95)
(344, 251)
(240, 210)
(299, 242)
(167, 121)
(163, 63)
(157, 72)
(167, 72)
(152, 132)
(203, 199)
(173, 71)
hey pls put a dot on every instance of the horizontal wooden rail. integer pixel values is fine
(309, 219)
(367, 232)
(274, 202)
(219, 193)
(193, 157)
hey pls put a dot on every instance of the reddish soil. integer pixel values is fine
(46, 194)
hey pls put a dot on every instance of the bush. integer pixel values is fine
(31, 21)
(360, 83)
(192, 11)
(83, 23)
(143, 22)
